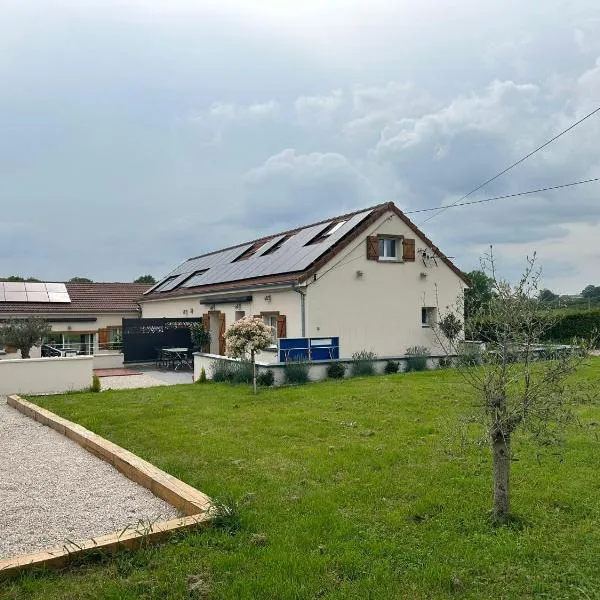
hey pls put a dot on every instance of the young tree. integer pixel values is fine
(24, 334)
(515, 390)
(245, 338)
(145, 279)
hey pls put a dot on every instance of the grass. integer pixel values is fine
(342, 490)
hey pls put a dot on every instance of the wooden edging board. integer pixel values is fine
(188, 500)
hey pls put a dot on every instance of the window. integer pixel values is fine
(251, 251)
(276, 245)
(388, 249)
(161, 286)
(239, 314)
(428, 316)
(329, 230)
(271, 321)
(192, 279)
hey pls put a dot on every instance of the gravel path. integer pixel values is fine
(151, 378)
(52, 490)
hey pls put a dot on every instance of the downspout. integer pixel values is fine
(302, 308)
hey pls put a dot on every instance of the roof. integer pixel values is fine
(288, 257)
(86, 298)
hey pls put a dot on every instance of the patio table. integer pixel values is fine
(178, 357)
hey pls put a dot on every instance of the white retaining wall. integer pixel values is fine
(108, 360)
(45, 375)
(317, 371)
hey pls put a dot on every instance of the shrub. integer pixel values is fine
(445, 362)
(95, 384)
(222, 371)
(200, 337)
(266, 378)
(296, 372)
(391, 367)
(417, 358)
(336, 370)
(202, 377)
(242, 372)
(363, 363)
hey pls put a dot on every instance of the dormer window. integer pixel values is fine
(249, 252)
(329, 230)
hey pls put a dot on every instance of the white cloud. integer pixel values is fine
(318, 110)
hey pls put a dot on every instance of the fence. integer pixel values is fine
(143, 337)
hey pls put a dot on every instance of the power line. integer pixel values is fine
(443, 208)
(546, 189)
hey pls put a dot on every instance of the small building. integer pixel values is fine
(370, 277)
(86, 318)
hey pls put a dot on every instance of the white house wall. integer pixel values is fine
(380, 310)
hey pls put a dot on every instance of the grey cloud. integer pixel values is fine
(291, 188)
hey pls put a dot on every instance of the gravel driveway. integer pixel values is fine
(53, 491)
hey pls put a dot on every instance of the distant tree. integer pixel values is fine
(80, 280)
(24, 334)
(515, 391)
(145, 279)
(18, 278)
(546, 295)
(591, 292)
(479, 294)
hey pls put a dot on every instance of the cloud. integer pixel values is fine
(318, 111)
(373, 107)
(292, 189)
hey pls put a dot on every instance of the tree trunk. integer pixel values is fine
(253, 372)
(25, 352)
(501, 462)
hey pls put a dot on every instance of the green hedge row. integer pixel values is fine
(583, 324)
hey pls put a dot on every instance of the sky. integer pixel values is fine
(137, 133)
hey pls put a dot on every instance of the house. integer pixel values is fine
(85, 317)
(370, 277)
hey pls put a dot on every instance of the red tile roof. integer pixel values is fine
(87, 298)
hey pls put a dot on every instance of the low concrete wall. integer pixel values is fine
(108, 360)
(317, 371)
(45, 375)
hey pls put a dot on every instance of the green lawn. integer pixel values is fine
(359, 489)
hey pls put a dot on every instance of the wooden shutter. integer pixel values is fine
(408, 250)
(206, 325)
(372, 247)
(222, 334)
(103, 336)
(281, 326)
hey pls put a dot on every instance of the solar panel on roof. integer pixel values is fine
(33, 291)
(290, 256)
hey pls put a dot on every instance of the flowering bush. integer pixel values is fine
(247, 336)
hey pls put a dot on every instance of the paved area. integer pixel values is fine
(146, 377)
(52, 491)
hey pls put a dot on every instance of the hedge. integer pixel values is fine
(582, 324)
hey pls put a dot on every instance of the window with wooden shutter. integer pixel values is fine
(372, 247)
(281, 326)
(408, 250)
